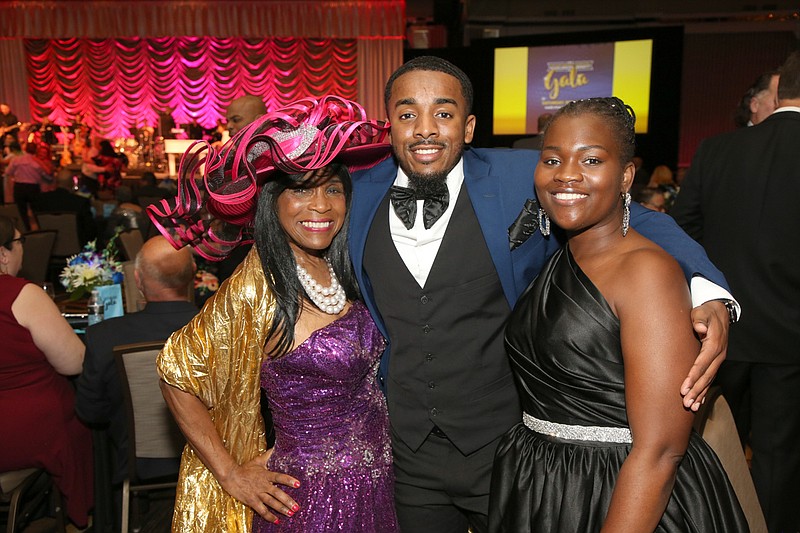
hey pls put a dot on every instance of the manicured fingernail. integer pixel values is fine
(289, 513)
(277, 521)
(296, 484)
(295, 507)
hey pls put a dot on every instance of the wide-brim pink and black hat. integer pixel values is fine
(303, 136)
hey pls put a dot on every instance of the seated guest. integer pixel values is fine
(663, 179)
(127, 215)
(163, 275)
(40, 429)
(148, 186)
(62, 200)
(652, 198)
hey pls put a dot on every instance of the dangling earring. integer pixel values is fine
(544, 222)
(626, 213)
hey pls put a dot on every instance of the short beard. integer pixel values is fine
(428, 184)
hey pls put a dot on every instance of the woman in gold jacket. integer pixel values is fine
(211, 368)
(217, 358)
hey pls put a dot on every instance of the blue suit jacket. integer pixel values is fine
(498, 182)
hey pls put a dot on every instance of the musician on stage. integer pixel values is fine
(8, 121)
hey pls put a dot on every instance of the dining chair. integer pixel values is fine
(66, 224)
(67, 242)
(714, 422)
(22, 492)
(152, 431)
(131, 242)
(12, 212)
(37, 250)
(103, 208)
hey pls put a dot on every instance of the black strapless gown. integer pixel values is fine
(563, 341)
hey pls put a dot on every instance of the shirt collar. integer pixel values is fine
(787, 108)
(167, 307)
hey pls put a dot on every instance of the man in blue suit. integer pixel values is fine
(430, 246)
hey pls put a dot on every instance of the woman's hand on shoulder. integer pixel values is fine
(258, 487)
(35, 311)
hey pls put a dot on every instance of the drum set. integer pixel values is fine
(144, 149)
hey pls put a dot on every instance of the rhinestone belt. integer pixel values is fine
(565, 431)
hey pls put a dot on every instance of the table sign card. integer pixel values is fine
(112, 300)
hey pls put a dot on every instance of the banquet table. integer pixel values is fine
(75, 312)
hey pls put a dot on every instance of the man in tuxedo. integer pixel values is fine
(163, 275)
(739, 200)
(439, 275)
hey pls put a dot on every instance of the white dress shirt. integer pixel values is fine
(418, 246)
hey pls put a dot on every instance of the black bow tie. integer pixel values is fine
(525, 224)
(404, 202)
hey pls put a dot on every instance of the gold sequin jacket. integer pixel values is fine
(217, 357)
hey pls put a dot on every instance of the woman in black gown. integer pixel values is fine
(599, 344)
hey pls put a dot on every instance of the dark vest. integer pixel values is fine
(447, 365)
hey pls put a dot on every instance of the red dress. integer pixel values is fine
(37, 413)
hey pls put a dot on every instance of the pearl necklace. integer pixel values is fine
(331, 299)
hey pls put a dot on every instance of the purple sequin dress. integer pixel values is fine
(332, 430)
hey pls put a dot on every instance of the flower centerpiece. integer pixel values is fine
(91, 268)
(205, 283)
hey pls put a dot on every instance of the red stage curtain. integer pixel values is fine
(123, 83)
(340, 19)
(377, 25)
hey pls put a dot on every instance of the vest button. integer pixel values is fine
(426, 328)
(424, 299)
(431, 385)
(434, 412)
(429, 357)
